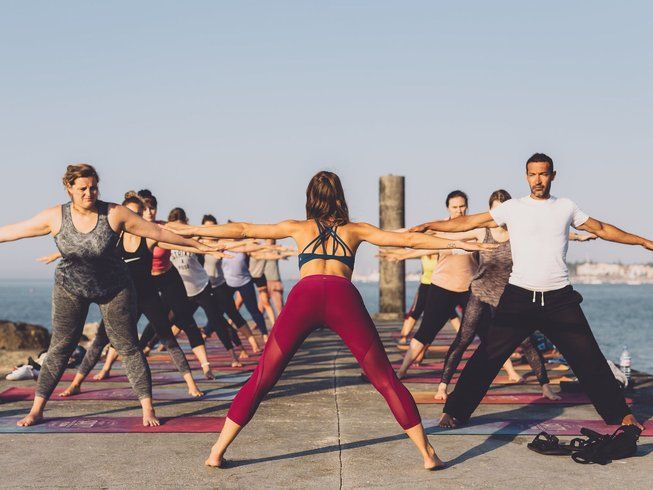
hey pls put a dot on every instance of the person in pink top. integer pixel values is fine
(449, 288)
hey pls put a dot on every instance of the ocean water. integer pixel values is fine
(619, 314)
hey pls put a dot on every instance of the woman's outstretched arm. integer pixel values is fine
(38, 225)
(284, 229)
(376, 236)
(462, 223)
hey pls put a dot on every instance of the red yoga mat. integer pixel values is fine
(114, 425)
(222, 376)
(499, 380)
(118, 394)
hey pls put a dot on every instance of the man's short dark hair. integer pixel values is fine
(453, 194)
(540, 157)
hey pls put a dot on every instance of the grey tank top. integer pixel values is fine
(271, 270)
(90, 266)
(493, 271)
(256, 267)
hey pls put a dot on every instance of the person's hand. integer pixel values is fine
(418, 229)
(586, 238)
(48, 259)
(648, 244)
(473, 246)
(208, 248)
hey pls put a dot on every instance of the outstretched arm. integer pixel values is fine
(38, 225)
(376, 236)
(134, 224)
(463, 223)
(611, 233)
(280, 230)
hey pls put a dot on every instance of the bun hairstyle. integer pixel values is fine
(178, 214)
(325, 200)
(74, 172)
(500, 195)
(131, 197)
(148, 199)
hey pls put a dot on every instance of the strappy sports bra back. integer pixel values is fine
(324, 233)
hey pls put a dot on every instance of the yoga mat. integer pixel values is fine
(114, 425)
(27, 394)
(557, 427)
(162, 357)
(499, 380)
(426, 397)
(439, 366)
(222, 376)
(437, 348)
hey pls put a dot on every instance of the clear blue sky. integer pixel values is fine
(230, 107)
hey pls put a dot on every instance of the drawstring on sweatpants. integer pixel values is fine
(535, 297)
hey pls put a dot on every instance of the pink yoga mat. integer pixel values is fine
(114, 425)
(222, 376)
(118, 394)
(426, 397)
(499, 380)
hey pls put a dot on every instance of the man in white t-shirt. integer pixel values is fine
(539, 296)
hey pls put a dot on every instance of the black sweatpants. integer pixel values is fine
(558, 315)
(440, 303)
(215, 319)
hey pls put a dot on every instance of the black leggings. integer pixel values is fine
(173, 293)
(248, 293)
(476, 321)
(558, 315)
(150, 305)
(215, 319)
(440, 303)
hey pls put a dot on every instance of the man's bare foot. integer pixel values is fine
(448, 421)
(215, 459)
(30, 419)
(243, 354)
(149, 419)
(432, 462)
(103, 374)
(547, 392)
(71, 390)
(441, 394)
(195, 392)
(631, 420)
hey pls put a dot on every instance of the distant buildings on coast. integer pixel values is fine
(580, 272)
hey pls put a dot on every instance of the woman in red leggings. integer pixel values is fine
(325, 296)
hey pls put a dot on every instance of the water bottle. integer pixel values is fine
(624, 363)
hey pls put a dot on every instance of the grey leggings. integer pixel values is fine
(68, 316)
(152, 307)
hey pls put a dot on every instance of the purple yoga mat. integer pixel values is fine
(426, 397)
(118, 394)
(114, 425)
(163, 377)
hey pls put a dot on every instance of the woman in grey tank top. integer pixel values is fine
(86, 231)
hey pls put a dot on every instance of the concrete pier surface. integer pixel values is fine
(320, 427)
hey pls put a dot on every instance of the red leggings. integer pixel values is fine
(333, 302)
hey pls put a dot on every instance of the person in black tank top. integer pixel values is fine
(139, 263)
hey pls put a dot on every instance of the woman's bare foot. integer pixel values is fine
(243, 354)
(215, 459)
(147, 350)
(161, 348)
(71, 390)
(206, 369)
(236, 364)
(103, 374)
(30, 419)
(516, 378)
(547, 392)
(400, 375)
(195, 392)
(149, 419)
(448, 421)
(432, 462)
(441, 394)
(631, 420)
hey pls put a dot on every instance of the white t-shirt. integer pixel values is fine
(539, 236)
(191, 271)
(213, 267)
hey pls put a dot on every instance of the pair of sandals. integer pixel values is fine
(594, 448)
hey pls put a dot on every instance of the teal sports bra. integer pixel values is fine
(320, 240)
